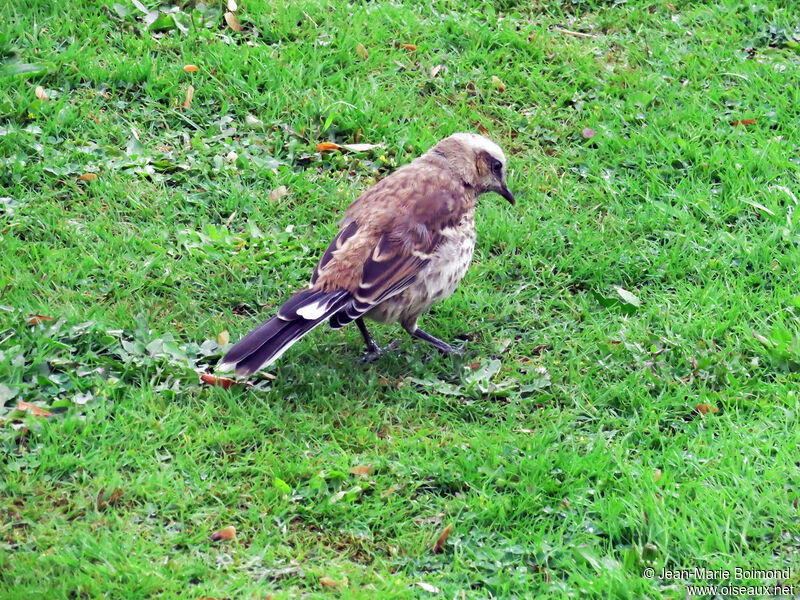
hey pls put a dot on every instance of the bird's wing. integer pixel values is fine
(388, 235)
(392, 266)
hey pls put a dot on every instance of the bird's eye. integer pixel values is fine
(497, 167)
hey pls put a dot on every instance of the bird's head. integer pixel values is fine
(478, 161)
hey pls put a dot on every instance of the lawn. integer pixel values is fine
(629, 395)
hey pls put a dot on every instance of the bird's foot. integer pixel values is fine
(460, 349)
(374, 351)
(440, 345)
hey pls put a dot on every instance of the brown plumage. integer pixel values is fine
(402, 246)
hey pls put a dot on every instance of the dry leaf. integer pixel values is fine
(326, 581)
(223, 337)
(744, 122)
(704, 409)
(435, 70)
(428, 587)
(40, 93)
(190, 69)
(657, 475)
(223, 382)
(498, 83)
(231, 156)
(390, 491)
(523, 430)
(762, 339)
(361, 51)
(111, 500)
(232, 21)
(278, 193)
(35, 410)
(226, 533)
(88, 177)
(323, 146)
(232, 5)
(361, 469)
(36, 319)
(409, 47)
(482, 129)
(360, 147)
(588, 133)
(437, 547)
(189, 95)
(576, 33)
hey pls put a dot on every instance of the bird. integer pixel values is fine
(402, 246)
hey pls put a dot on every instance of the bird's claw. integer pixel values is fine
(375, 352)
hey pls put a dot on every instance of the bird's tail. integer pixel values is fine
(267, 342)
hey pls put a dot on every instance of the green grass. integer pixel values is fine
(564, 449)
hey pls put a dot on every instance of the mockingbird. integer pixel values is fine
(402, 246)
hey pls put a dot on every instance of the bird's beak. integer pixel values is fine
(506, 193)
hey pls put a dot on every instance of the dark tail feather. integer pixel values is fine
(265, 344)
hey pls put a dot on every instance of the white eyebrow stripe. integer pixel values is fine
(481, 143)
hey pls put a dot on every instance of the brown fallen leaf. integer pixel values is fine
(704, 409)
(325, 146)
(232, 21)
(326, 581)
(435, 70)
(223, 382)
(88, 177)
(278, 193)
(187, 103)
(361, 51)
(498, 83)
(361, 469)
(475, 366)
(409, 47)
(226, 533)
(744, 122)
(40, 93)
(110, 501)
(34, 410)
(390, 491)
(588, 133)
(437, 547)
(223, 337)
(483, 129)
(37, 319)
(541, 569)
(190, 69)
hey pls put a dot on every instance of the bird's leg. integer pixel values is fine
(441, 346)
(373, 350)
